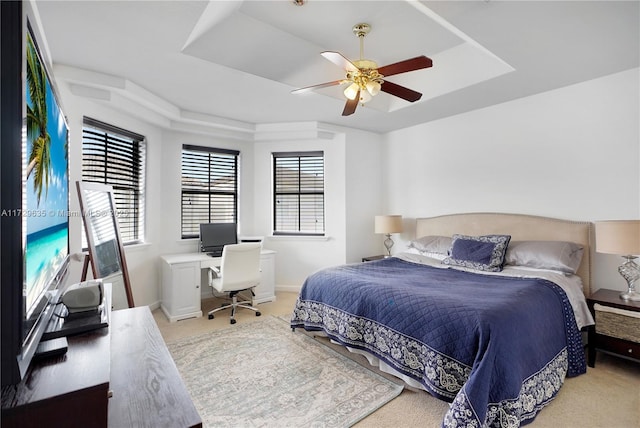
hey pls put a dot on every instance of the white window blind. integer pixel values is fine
(114, 156)
(209, 187)
(298, 199)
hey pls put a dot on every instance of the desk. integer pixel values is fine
(183, 279)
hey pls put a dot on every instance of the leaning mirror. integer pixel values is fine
(106, 252)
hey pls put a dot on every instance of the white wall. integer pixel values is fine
(140, 258)
(298, 256)
(365, 196)
(572, 153)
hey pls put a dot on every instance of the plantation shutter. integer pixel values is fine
(114, 156)
(298, 204)
(209, 187)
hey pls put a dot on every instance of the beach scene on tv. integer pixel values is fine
(47, 183)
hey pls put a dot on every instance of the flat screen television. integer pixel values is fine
(34, 174)
(214, 236)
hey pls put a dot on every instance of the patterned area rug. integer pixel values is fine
(261, 374)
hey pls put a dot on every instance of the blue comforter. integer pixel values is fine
(497, 347)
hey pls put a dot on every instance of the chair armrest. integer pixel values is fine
(213, 273)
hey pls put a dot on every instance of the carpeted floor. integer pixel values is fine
(607, 396)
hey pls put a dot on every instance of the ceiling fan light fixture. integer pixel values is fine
(352, 91)
(373, 87)
(365, 96)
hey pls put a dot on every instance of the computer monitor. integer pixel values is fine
(214, 236)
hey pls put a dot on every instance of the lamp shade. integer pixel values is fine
(620, 237)
(388, 224)
(351, 91)
(373, 87)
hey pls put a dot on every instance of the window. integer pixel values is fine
(209, 187)
(114, 156)
(298, 199)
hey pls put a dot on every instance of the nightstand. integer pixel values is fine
(615, 333)
(372, 258)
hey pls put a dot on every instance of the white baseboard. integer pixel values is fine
(289, 288)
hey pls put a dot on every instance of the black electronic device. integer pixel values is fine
(214, 236)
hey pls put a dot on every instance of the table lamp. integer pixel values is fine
(622, 237)
(388, 224)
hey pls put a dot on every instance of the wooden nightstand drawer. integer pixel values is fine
(621, 347)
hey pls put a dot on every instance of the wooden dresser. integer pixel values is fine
(127, 361)
(69, 390)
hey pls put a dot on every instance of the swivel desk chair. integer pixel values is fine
(239, 271)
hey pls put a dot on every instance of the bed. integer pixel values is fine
(491, 324)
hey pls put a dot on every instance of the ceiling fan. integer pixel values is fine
(366, 79)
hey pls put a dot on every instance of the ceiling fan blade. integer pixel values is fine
(321, 85)
(339, 60)
(350, 106)
(407, 65)
(400, 91)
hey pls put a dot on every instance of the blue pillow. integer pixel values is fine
(484, 253)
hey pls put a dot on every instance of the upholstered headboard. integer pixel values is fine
(521, 227)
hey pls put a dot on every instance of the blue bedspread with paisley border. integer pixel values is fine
(498, 348)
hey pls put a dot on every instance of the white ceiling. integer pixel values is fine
(233, 64)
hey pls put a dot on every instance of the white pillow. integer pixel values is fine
(552, 255)
(432, 245)
(436, 256)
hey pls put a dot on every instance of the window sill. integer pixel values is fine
(298, 238)
(136, 247)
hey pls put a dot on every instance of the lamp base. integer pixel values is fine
(630, 271)
(631, 295)
(388, 243)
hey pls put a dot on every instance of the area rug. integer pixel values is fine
(261, 374)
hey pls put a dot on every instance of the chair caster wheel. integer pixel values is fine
(210, 316)
(233, 321)
(258, 313)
